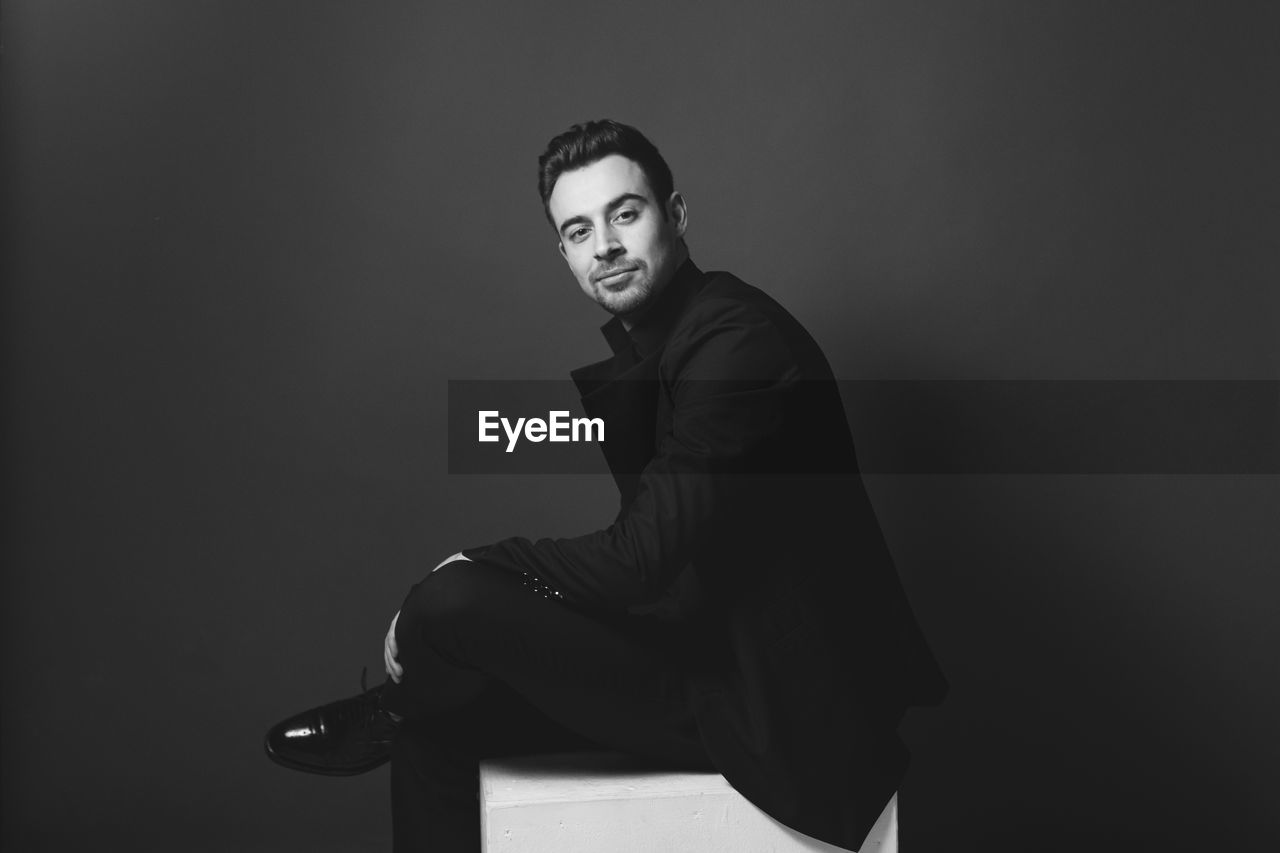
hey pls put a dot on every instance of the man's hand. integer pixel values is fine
(390, 652)
(448, 560)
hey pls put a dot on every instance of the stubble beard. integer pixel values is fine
(628, 300)
(625, 302)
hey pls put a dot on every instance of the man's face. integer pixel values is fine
(613, 234)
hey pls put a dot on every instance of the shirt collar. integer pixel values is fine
(649, 333)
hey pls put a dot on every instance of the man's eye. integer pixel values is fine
(577, 234)
(625, 215)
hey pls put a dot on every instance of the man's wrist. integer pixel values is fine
(448, 560)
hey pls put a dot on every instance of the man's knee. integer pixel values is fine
(458, 597)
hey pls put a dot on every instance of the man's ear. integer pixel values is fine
(562, 254)
(678, 212)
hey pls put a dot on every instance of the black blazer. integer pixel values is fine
(744, 522)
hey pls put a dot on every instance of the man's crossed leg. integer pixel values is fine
(492, 668)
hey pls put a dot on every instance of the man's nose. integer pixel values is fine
(607, 244)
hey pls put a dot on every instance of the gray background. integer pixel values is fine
(248, 243)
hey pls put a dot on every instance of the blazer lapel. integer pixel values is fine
(623, 392)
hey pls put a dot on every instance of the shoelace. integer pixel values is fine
(368, 713)
(367, 704)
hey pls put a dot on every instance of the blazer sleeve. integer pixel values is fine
(728, 370)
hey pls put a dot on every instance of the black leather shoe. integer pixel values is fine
(342, 738)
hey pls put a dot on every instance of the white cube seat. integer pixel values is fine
(609, 803)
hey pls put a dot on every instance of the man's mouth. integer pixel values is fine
(608, 275)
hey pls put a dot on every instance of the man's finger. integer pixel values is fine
(390, 651)
(393, 666)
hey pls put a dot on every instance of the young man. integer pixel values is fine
(741, 613)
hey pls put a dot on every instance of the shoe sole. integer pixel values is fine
(322, 771)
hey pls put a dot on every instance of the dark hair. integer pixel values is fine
(584, 144)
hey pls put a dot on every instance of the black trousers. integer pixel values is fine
(492, 668)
